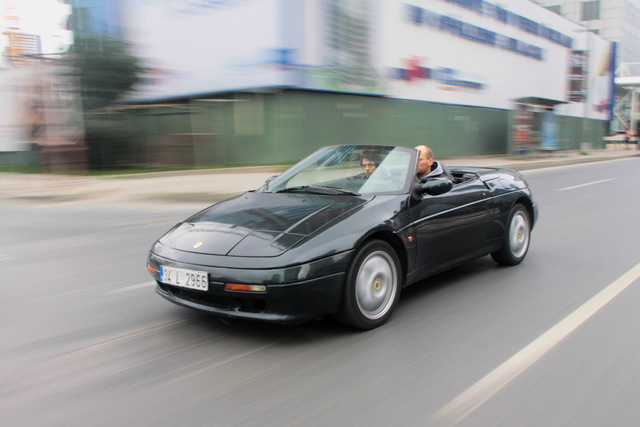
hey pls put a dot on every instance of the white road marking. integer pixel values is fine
(130, 288)
(586, 184)
(146, 222)
(575, 165)
(479, 393)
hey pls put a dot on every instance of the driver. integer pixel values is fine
(428, 167)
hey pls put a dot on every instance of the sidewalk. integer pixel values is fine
(209, 186)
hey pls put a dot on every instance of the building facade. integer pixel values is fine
(242, 81)
(40, 124)
(618, 21)
(614, 20)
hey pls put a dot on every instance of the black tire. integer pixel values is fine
(372, 286)
(517, 237)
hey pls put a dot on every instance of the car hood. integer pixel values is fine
(260, 224)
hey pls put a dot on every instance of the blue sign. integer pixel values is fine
(549, 132)
(421, 16)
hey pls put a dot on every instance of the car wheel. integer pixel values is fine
(372, 286)
(516, 238)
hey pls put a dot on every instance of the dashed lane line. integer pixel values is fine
(586, 184)
(130, 288)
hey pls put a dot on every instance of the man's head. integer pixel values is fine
(425, 161)
(369, 163)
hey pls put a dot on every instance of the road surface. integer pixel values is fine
(552, 342)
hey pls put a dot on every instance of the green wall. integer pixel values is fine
(281, 127)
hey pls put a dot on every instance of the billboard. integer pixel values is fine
(192, 48)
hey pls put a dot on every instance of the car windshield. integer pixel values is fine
(348, 169)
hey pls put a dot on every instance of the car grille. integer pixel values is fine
(249, 305)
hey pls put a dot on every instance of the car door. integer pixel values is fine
(451, 227)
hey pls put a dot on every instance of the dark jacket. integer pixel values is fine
(438, 170)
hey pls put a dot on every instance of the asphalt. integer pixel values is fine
(212, 185)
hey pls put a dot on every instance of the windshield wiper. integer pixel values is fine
(317, 190)
(340, 190)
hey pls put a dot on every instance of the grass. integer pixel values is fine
(132, 171)
(26, 169)
(37, 169)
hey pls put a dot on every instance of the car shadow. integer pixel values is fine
(328, 328)
(456, 277)
(257, 331)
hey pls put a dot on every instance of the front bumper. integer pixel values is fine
(291, 303)
(290, 296)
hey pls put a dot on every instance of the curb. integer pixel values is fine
(41, 189)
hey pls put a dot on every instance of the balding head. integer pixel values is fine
(425, 161)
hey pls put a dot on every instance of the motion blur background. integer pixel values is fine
(91, 85)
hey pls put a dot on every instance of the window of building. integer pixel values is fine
(590, 10)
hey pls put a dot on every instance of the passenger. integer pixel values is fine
(369, 163)
(428, 167)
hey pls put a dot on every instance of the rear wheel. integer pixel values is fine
(372, 286)
(516, 238)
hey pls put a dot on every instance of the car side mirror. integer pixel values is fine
(437, 186)
(433, 187)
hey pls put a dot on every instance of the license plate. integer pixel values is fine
(184, 278)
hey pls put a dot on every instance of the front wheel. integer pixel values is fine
(516, 238)
(372, 286)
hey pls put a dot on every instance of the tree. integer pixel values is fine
(105, 72)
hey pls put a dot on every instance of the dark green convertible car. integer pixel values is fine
(341, 233)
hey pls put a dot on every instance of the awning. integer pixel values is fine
(543, 102)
